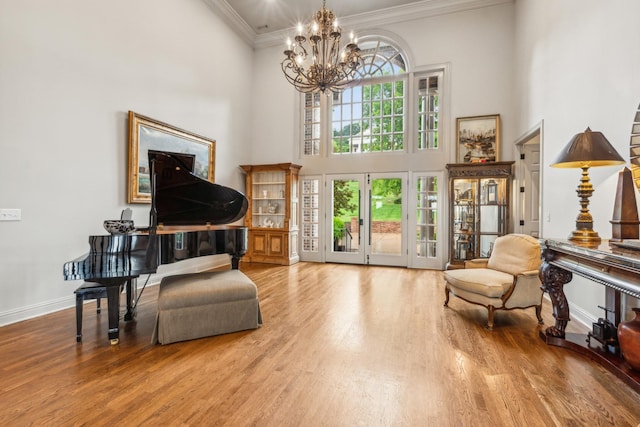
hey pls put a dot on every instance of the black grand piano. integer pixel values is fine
(188, 219)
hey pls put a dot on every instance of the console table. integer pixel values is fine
(616, 267)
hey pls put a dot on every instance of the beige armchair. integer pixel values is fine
(508, 279)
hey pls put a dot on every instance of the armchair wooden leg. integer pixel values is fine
(490, 319)
(446, 296)
(539, 314)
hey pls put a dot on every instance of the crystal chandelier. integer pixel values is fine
(323, 66)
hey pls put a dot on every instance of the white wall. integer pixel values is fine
(477, 46)
(578, 65)
(69, 72)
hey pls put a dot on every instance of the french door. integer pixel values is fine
(367, 218)
(426, 219)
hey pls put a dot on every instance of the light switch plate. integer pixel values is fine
(10, 214)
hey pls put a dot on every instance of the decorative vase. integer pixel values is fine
(629, 340)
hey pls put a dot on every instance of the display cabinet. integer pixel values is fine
(479, 206)
(272, 217)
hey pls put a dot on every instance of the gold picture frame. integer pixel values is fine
(478, 139)
(146, 133)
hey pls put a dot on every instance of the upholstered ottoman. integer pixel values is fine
(199, 305)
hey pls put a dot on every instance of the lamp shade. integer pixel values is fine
(588, 149)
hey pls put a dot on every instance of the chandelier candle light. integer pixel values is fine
(323, 66)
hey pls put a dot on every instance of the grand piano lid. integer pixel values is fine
(178, 197)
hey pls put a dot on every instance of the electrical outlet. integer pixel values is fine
(10, 214)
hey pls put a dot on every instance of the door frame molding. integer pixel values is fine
(537, 129)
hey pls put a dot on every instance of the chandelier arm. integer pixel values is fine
(297, 75)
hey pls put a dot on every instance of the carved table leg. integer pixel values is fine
(553, 280)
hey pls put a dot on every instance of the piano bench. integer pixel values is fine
(198, 305)
(87, 291)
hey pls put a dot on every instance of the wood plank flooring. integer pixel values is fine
(341, 345)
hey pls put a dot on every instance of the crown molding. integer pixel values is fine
(235, 22)
(391, 15)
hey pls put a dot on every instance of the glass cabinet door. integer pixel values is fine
(465, 215)
(492, 213)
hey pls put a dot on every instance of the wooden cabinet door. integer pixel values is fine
(259, 246)
(276, 244)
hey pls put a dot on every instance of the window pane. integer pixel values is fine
(310, 215)
(311, 124)
(398, 106)
(386, 125)
(398, 142)
(426, 216)
(397, 124)
(386, 143)
(346, 113)
(427, 111)
(376, 109)
(375, 126)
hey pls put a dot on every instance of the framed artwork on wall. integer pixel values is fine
(478, 139)
(149, 134)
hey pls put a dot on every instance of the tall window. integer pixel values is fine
(311, 124)
(428, 109)
(367, 118)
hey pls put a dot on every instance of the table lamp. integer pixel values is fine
(585, 150)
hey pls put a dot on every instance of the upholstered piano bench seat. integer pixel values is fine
(198, 305)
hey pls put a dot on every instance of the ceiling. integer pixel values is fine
(266, 22)
(265, 16)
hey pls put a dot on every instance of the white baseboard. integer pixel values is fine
(194, 265)
(581, 316)
(35, 310)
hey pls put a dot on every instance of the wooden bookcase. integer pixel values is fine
(272, 217)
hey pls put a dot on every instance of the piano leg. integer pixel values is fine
(132, 295)
(114, 289)
(113, 303)
(235, 261)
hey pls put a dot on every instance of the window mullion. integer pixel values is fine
(327, 122)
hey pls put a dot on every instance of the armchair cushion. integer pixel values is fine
(515, 253)
(490, 283)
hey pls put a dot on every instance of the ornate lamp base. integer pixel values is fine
(587, 236)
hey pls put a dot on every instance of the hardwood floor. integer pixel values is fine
(341, 345)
